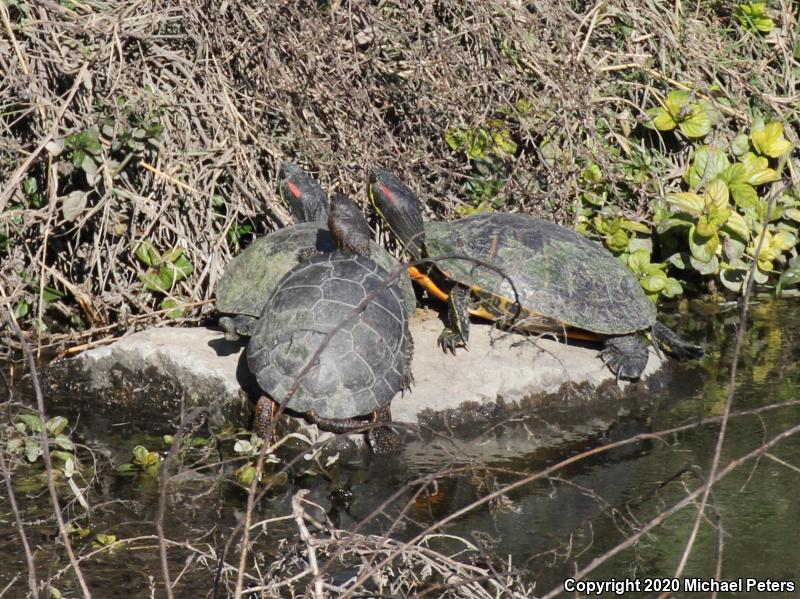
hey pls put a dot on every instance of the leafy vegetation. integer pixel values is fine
(710, 228)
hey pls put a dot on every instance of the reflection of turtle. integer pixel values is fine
(563, 282)
(333, 340)
(249, 278)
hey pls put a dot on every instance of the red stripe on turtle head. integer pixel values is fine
(294, 189)
(388, 194)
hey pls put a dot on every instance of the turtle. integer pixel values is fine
(528, 273)
(250, 277)
(333, 341)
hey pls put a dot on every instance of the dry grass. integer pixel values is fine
(338, 87)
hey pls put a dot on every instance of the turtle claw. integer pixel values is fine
(449, 340)
(625, 356)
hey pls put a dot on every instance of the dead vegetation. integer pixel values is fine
(164, 123)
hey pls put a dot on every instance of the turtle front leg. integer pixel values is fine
(236, 327)
(264, 421)
(457, 331)
(625, 355)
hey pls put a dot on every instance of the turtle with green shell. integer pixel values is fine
(250, 278)
(528, 273)
(333, 341)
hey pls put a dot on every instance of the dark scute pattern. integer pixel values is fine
(250, 278)
(361, 369)
(557, 272)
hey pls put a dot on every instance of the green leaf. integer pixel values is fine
(744, 195)
(183, 266)
(708, 163)
(717, 194)
(673, 288)
(32, 450)
(676, 100)
(172, 255)
(152, 282)
(654, 283)
(504, 143)
(789, 277)
(246, 474)
(686, 202)
(661, 119)
(106, 540)
(632, 225)
(31, 421)
(740, 145)
(21, 309)
(769, 140)
(703, 248)
(52, 294)
(705, 268)
(638, 260)
(617, 241)
(64, 443)
(146, 253)
(737, 225)
(62, 455)
(56, 425)
(698, 124)
(783, 240)
(176, 307)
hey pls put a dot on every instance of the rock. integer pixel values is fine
(204, 369)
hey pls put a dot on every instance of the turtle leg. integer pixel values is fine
(625, 355)
(264, 419)
(457, 331)
(236, 327)
(381, 439)
(340, 426)
(671, 343)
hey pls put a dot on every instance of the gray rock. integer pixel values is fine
(204, 369)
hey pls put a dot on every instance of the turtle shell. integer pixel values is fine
(558, 274)
(362, 366)
(250, 277)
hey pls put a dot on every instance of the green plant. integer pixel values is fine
(753, 16)
(693, 118)
(238, 232)
(163, 272)
(629, 240)
(725, 212)
(488, 149)
(23, 439)
(143, 461)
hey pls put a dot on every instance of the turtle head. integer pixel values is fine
(306, 199)
(399, 208)
(348, 226)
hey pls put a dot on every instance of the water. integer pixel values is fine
(548, 528)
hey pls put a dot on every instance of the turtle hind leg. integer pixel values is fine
(381, 439)
(457, 331)
(625, 355)
(669, 341)
(264, 421)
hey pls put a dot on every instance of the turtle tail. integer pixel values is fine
(669, 341)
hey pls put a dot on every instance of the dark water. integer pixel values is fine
(547, 529)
